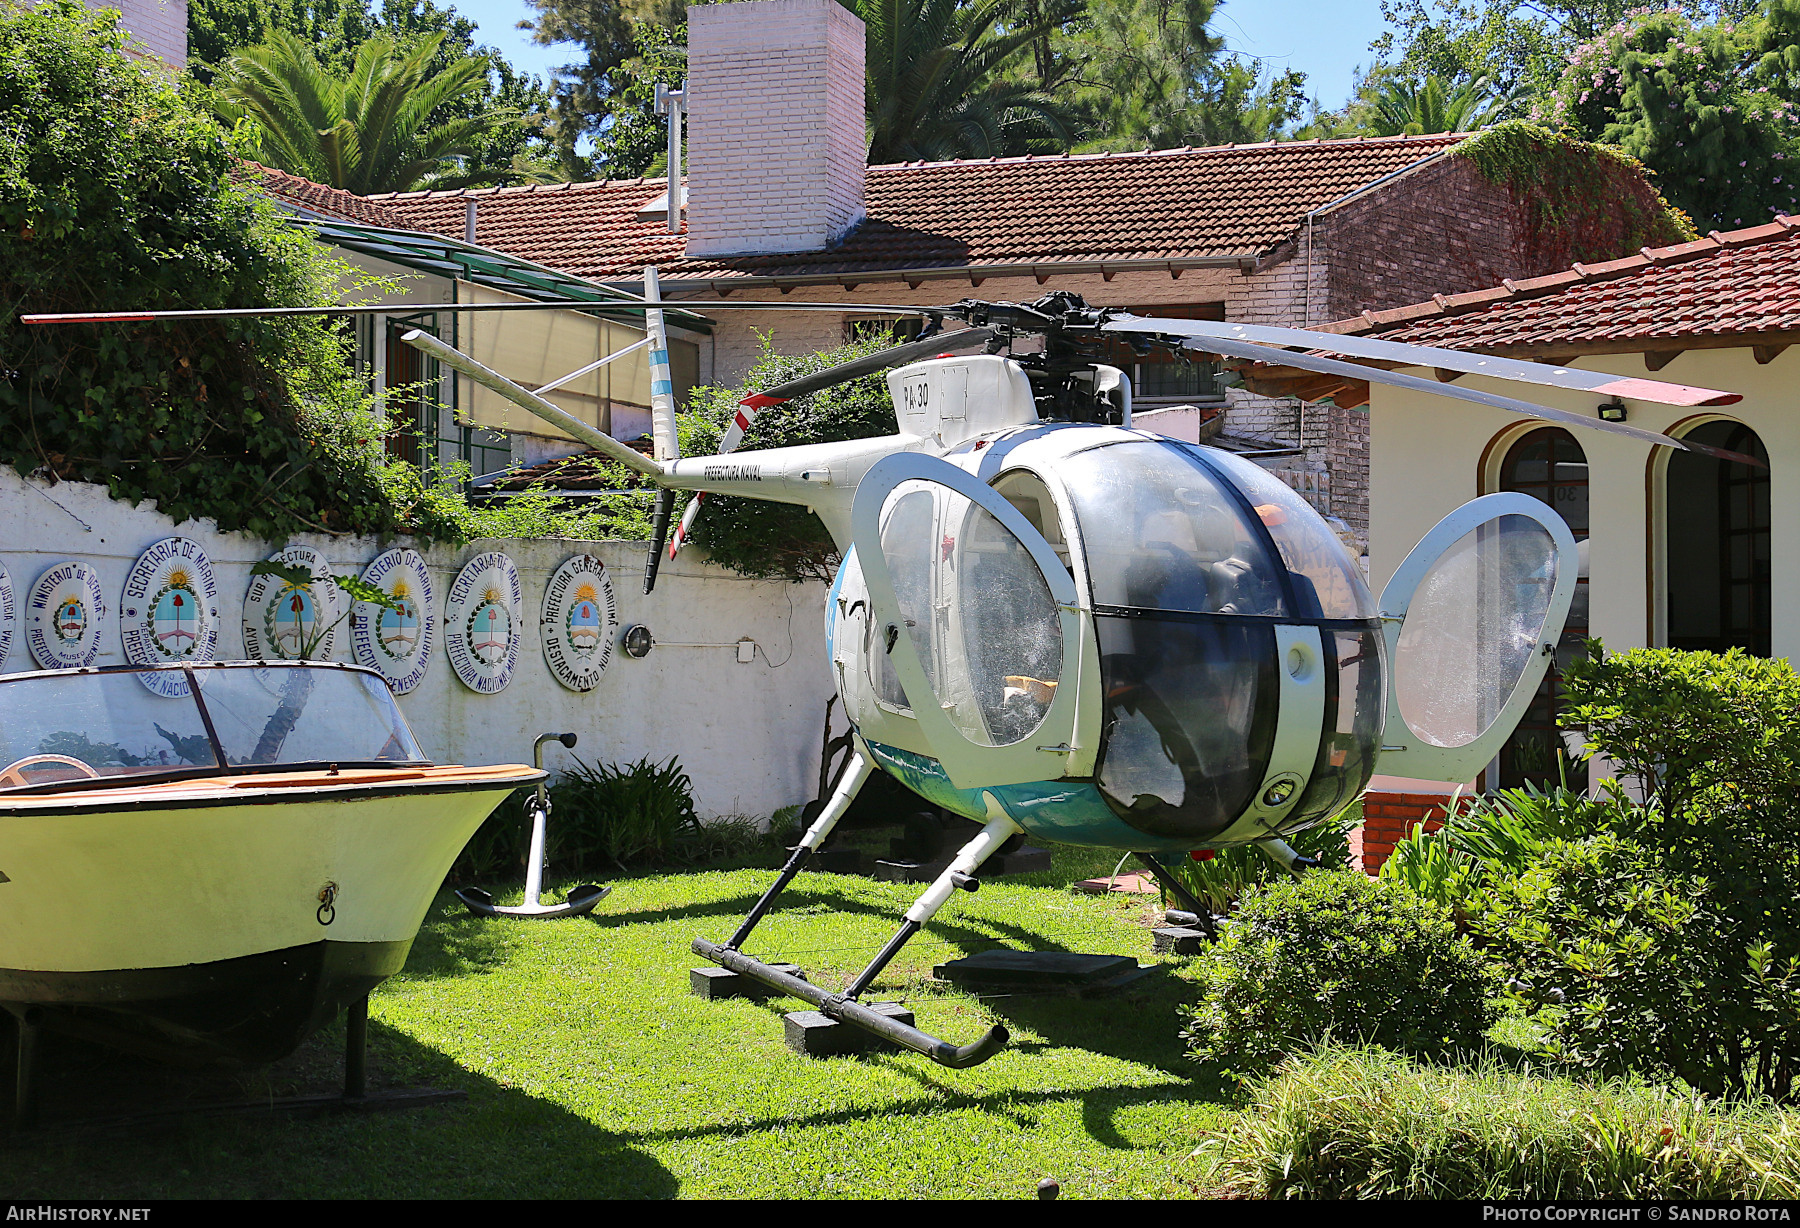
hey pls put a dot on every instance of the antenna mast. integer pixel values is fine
(673, 103)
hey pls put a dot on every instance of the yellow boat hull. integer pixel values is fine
(236, 914)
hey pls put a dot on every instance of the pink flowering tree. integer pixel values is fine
(1712, 108)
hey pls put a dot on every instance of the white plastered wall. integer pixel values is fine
(1425, 453)
(748, 734)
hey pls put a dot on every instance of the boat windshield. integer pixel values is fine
(69, 726)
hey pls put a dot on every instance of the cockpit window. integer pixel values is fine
(977, 610)
(1162, 533)
(1327, 582)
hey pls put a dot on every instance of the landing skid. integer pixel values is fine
(883, 1020)
(355, 1098)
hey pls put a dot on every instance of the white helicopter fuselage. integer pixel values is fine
(1024, 674)
(1199, 664)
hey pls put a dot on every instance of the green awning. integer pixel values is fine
(429, 253)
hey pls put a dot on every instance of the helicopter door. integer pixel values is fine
(977, 617)
(1471, 620)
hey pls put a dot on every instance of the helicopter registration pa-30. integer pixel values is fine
(1059, 625)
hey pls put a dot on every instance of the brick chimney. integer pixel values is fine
(157, 27)
(775, 143)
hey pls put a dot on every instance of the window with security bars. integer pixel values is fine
(1165, 377)
(879, 328)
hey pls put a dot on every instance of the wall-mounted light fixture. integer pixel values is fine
(1613, 411)
(638, 641)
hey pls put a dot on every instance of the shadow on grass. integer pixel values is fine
(1143, 1026)
(458, 945)
(1099, 1106)
(969, 933)
(499, 1143)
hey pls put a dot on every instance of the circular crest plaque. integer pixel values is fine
(579, 623)
(285, 621)
(169, 612)
(65, 610)
(396, 643)
(481, 622)
(9, 613)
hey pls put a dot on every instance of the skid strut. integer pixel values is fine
(843, 1006)
(856, 773)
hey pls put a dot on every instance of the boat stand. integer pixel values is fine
(355, 1098)
(819, 1032)
(581, 900)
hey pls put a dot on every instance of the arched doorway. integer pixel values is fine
(1548, 464)
(1716, 545)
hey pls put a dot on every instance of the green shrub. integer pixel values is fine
(783, 540)
(1368, 1124)
(620, 814)
(1714, 742)
(1643, 971)
(602, 817)
(1337, 954)
(1694, 729)
(1487, 839)
(116, 193)
(1220, 881)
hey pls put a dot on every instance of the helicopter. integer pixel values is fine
(1059, 625)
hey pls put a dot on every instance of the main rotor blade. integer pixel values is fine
(399, 309)
(1395, 379)
(1430, 356)
(881, 360)
(893, 356)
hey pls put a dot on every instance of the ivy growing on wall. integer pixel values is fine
(117, 194)
(1578, 202)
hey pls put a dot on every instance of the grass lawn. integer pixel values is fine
(591, 1071)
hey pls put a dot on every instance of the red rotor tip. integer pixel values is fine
(76, 319)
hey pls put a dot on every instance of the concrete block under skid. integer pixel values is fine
(1178, 940)
(716, 984)
(814, 1035)
(1043, 972)
(1027, 860)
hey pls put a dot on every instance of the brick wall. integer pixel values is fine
(1387, 818)
(775, 142)
(158, 27)
(1442, 229)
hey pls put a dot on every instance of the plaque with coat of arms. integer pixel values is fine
(481, 622)
(579, 623)
(169, 612)
(9, 613)
(288, 621)
(64, 614)
(396, 641)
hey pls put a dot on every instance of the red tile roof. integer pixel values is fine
(1742, 284)
(1226, 202)
(317, 198)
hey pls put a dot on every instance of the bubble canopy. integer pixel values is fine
(1168, 526)
(1193, 558)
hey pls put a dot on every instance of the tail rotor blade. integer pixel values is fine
(659, 532)
(687, 523)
